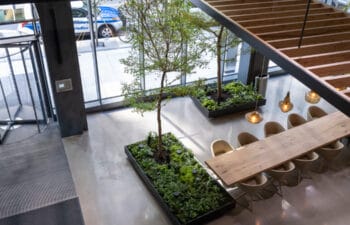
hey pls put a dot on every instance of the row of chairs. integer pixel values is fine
(291, 172)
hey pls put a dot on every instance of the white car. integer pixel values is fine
(108, 21)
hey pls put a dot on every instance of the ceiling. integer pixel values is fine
(273, 27)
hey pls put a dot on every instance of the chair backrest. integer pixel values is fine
(219, 147)
(272, 128)
(337, 145)
(284, 173)
(285, 168)
(295, 120)
(330, 151)
(315, 112)
(255, 182)
(306, 159)
(245, 138)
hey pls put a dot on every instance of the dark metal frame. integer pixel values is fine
(337, 99)
(201, 219)
(26, 43)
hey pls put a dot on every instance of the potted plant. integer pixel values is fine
(162, 29)
(237, 97)
(232, 97)
(176, 184)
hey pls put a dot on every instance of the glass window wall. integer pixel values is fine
(104, 77)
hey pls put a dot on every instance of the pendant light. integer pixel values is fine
(312, 97)
(341, 88)
(254, 116)
(286, 105)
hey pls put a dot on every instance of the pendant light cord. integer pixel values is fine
(304, 23)
(290, 83)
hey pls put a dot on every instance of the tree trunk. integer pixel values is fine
(160, 155)
(218, 60)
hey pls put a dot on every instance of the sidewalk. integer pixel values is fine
(113, 43)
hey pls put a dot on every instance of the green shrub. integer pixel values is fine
(238, 94)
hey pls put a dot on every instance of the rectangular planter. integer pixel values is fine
(229, 110)
(198, 220)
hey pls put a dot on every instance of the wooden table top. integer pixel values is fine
(272, 151)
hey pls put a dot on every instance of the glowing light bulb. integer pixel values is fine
(312, 97)
(340, 88)
(286, 105)
(254, 117)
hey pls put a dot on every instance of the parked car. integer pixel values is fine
(108, 22)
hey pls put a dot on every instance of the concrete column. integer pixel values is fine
(252, 64)
(62, 59)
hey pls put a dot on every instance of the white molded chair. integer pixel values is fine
(295, 120)
(314, 112)
(327, 153)
(219, 147)
(257, 187)
(330, 151)
(304, 163)
(283, 174)
(272, 127)
(245, 138)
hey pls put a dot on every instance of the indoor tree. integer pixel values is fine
(164, 40)
(219, 45)
(223, 41)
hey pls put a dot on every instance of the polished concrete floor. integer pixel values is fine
(111, 193)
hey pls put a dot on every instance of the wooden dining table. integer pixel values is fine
(251, 159)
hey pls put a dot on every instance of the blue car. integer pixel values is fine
(108, 22)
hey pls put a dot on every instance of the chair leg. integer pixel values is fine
(306, 175)
(303, 174)
(299, 176)
(348, 140)
(278, 188)
(261, 194)
(241, 205)
(320, 167)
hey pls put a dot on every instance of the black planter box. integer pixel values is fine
(198, 220)
(226, 111)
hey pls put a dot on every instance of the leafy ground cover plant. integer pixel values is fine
(183, 184)
(234, 94)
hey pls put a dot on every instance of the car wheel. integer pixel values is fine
(106, 31)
